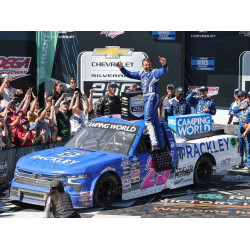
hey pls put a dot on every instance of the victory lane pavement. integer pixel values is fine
(226, 196)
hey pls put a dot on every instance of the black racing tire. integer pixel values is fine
(203, 171)
(106, 190)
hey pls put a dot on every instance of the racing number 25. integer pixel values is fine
(154, 178)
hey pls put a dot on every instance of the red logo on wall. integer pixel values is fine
(15, 67)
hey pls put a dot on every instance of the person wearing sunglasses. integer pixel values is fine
(164, 100)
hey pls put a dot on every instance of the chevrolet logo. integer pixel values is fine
(112, 52)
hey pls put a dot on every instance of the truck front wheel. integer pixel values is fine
(203, 171)
(106, 191)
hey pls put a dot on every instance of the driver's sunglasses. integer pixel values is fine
(72, 82)
(170, 88)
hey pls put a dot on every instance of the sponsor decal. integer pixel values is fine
(203, 63)
(86, 204)
(112, 34)
(107, 169)
(196, 150)
(55, 160)
(113, 126)
(87, 193)
(172, 122)
(134, 180)
(127, 186)
(136, 106)
(180, 153)
(164, 35)
(126, 172)
(178, 181)
(190, 125)
(225, 162)
(72, 153)
(125, 178)
(180, 172)
(85, 198)
(15, 67)
(233, 142)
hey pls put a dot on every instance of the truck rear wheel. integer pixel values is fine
(106, 190)
(203, 171)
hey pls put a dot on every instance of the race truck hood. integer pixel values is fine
(65, 161)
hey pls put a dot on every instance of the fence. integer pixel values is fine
(9, 158)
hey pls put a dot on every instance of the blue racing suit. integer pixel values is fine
(151, 99)
(175, 107)
(201, 103)
(244, 118)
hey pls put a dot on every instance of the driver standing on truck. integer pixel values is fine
(150, 81)
(202, 103)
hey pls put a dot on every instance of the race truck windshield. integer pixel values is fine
(105, 136)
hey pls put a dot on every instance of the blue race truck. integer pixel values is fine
(111, 159)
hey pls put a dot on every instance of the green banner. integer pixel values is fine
(46, 42)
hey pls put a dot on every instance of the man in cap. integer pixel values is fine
(63, 115)
(232, 117)
(202, 103)
(150, 81)
(178, 105)
(108, 104)
(7, 91)
(242, 112)
(164, 99)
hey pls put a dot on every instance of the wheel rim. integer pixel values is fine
(106, 191)
(202, 172)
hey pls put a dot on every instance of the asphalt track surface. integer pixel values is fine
(226, 197)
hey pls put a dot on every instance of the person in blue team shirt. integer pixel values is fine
(232, 117)
(202, 103)
(178, 105)
(246, 135)
(241, 112)
(150, 81)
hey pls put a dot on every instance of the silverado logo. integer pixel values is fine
(15, 67)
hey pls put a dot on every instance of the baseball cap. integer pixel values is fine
(179, 90)
(64, 101)
(112, 85)
(241, 93)
(23, 121)
(32, 127)
(248, 94)
(170, 86)
(204, 88)
(236, 90)
(6, 75)
(56, 184)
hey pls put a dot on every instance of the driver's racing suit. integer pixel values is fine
(151, 99)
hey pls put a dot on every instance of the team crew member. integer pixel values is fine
(59, 202)
(164, 99)
(108, 104)
(178, 105)
(232, 117)
(202, 104)
(246, 135)
(150, 81)
(241, 112)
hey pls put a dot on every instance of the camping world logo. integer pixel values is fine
(71, 153)
(15, 67)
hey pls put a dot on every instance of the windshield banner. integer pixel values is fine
(113, 126)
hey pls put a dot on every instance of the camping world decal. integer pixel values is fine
(15, 67)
